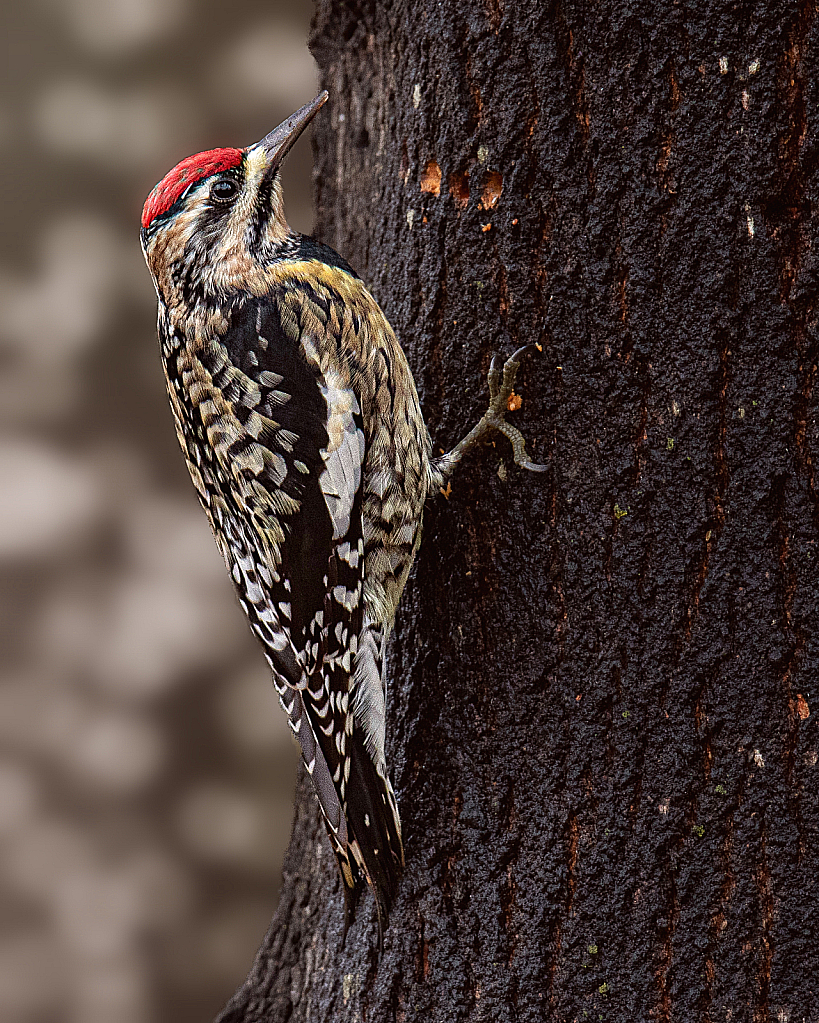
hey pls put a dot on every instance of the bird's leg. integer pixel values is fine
(500, 388)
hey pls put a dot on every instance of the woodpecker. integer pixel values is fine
(299, 420)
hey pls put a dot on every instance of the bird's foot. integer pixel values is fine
(501, 389)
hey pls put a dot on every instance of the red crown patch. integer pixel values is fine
(184, 174)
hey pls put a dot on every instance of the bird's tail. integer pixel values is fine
(374, 828)
(364, 830)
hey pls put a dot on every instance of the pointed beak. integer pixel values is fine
(280, 141)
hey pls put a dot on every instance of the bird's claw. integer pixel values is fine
(500, 390)
(501, 380)
(493, 377)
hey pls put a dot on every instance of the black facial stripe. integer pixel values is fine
(262, 212)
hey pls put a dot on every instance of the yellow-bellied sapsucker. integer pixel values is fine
(299, 421)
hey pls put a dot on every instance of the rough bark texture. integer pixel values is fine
(602, 678)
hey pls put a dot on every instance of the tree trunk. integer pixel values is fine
(602, 677)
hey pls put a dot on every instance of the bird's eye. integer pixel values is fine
(225, 190)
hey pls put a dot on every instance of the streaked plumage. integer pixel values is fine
(300, 424)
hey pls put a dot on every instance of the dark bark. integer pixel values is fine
(602, 677)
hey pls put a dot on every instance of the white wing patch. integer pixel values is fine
(343, 455)
(369, 692)
(343, 458)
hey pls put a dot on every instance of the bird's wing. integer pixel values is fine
(295, 474)
(292, 459)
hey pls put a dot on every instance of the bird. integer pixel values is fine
(300, 423)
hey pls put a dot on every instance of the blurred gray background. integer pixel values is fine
(146, 772)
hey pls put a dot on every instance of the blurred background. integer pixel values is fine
(146, 772)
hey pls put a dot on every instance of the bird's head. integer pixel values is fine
(216, 220)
